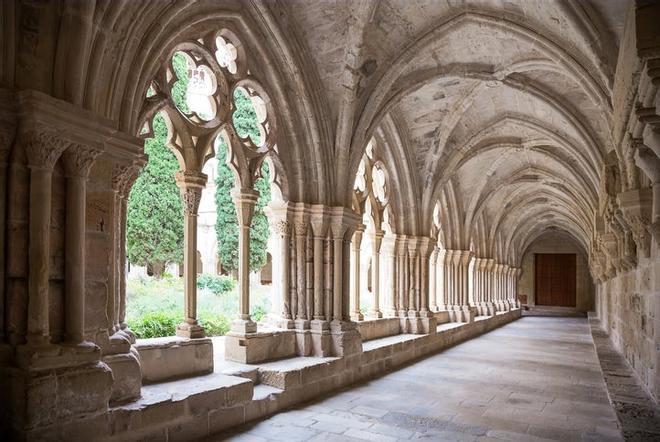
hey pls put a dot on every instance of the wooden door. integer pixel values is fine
(555, 279)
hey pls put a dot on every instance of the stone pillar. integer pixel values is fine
(320, 326)
(376, 241)
(356, 314)
(338, 231)
(245, 200)
(475, 287)
(460, 310)
(42, 150)
(402, 271)
(441, 280)
(490, 286)
(433, 280)
(78, 161)
(191, 185)
(389, 292)
(301, 227)
(6, 139)
(282, 228)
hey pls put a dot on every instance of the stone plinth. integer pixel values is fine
(379, 328)
(264, 345)
(174, 357)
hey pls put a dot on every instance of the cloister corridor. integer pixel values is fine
(534, 379)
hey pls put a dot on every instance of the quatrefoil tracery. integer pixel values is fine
(216, 70)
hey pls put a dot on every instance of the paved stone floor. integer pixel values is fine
(534, 379)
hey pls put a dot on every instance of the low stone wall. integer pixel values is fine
(378, 328)
(196, 407)
(172, 357)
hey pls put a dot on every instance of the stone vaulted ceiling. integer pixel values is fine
(497, 112)
(503, 107)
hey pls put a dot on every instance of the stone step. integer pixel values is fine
(295, 372)
(166, 403)
(540, 310)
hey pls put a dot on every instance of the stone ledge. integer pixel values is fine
(174, 357)
(379, 327)
(196, 410)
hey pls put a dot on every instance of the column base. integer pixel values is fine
(56, 395)
(357, 316)
(377, 314)
(243, 326)
(44, 356)
(303, 337)
(462, 313)
(190, 331)
(346, 339)
(252, 348)
(126, 374)
(321, 338)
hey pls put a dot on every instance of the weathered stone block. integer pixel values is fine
(167, 358)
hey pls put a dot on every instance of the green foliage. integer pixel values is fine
(245, 122)
(154, 306)
(214, 325)
(217, 284)
(258, 313)
(180, 88)
(155, 324)
(154, 228)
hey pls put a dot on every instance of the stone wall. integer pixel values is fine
(556, 242)
(628, 307)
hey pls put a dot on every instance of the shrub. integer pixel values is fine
(217, 284)
(258, 313)
(155, 324)
(214, 324)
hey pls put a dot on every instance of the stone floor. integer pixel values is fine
(534, 379)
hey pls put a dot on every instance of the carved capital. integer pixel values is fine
(43, 148)
(281, 228)
(6, 139)
(78, 160)
(300, 227)
(245, 200)
(191, 196)
(123, 177)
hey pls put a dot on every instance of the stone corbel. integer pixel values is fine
(636, 207)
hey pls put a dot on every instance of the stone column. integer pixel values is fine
(338, 231)
(78, 161)
(319, 227)
(43, 149)
(282, 228)
(356, 314)
(191, 185)
(389, 291)
(462, 311)
(300, 226)
(376, 241)
(403, 272)
(245, 200)
(320, 326)
(505, 291)
(433, 280)
(6, 138)
(441, 279)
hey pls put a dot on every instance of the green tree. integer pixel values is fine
(154, 228)
(245, 122)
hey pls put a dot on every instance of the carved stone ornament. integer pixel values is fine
(78, 160)
(43, 148)
(281, 227)
(191, 197)
(6, 138)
